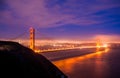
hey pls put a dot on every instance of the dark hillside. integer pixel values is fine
(19, 61)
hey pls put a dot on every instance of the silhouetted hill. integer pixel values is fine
(19, 61)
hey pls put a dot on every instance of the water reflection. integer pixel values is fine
(86, 66)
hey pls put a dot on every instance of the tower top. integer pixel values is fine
(31, 28)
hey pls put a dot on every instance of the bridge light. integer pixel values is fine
(105, 45)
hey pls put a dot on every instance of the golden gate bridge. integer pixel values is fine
(32, 44)
(32, 41)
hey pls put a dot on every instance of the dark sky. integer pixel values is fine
(60, 19)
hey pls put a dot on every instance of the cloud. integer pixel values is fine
(49, 13)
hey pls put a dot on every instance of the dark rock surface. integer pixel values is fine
(19, 61)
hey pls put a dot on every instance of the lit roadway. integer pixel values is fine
(68, 48)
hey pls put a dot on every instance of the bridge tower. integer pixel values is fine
(98, 44)
(32, 38)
